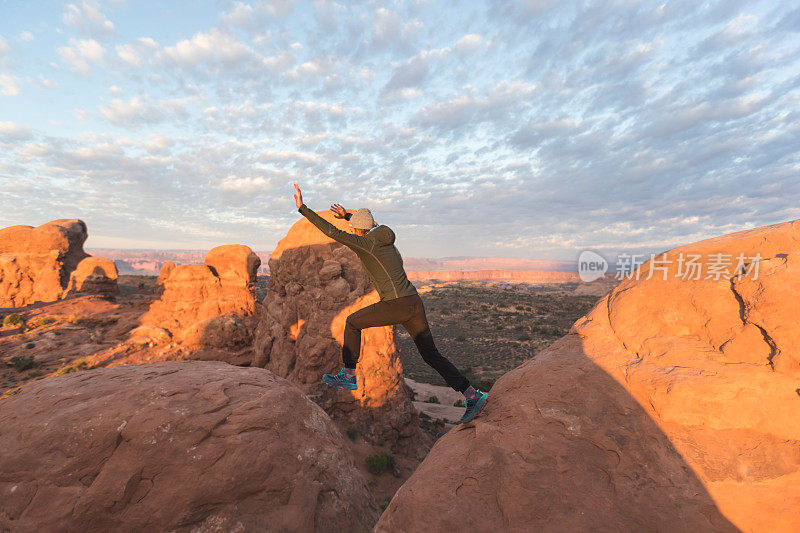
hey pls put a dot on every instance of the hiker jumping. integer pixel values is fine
(399, 303)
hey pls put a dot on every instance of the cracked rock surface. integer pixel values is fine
(174, 446)
(671, 406)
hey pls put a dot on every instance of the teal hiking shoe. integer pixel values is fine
(475, 406)
(340, 380)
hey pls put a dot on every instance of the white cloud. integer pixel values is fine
(14, 131)
(132, 112)
(81, 53)
(158, 143)
(215, 44)
(47, 83)
(4, 48)
(81, 114)
(469, 43)
(26, 36)
(87, 19)
(9, 85)
(132, 53)
(255, 15)
(116, 91)
(245, 185)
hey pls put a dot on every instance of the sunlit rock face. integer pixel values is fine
(315, 283)
(47, 263)
(193, 297)
(672, 405)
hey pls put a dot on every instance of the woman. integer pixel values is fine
(399, 303)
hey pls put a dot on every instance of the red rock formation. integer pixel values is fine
(36, 264)
(671, 406)
(175, 446)
(315, 283)
(195, 297)
(94, 275)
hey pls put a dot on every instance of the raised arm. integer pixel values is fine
(348, 239)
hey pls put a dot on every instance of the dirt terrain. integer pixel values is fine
(487, 328)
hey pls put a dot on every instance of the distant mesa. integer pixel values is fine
(315, 283)
(48, 263)
(672, 405)
(175, 446)
(518, 276)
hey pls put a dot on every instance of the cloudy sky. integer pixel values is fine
(529, 129)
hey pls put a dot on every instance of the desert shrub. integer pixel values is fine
(380, 462)
(22, 363)
(44, 322)
(524, 337)
(432, 399)
(77, 365)
(460, 338)
(424, 416)
(385, 502)
(30, 345)
(352, 433)
(459, 403)
(14, 319)
(35, 373)
(482, 384)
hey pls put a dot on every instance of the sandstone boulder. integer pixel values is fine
(36, 264)
(671, 406)
(94, 275)
(192, 294)
(315, 283)
(175, 446)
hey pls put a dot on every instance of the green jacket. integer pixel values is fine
(379, 256)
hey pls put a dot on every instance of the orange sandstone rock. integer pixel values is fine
(672, 405)
(175, 446)
(37, 264)
(195, 297)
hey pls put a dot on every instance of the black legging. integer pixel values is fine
(410, 312)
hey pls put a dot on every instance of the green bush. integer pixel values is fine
(459, 403)
(525, 337)
(75, 366)
(498, 327)
(424, 416)
(432, 399)
(14, 319)
(30, 345)
(45, 321)
(352, 433)
(35, 373)
(385, 502)
(482, 384)
(460, 338)
(22, 363)
(380, 462)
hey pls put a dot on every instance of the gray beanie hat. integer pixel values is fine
(362, 219)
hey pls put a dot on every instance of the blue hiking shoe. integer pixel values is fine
(475, 406)
(340, 380)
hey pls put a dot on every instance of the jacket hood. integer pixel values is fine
(383, 234)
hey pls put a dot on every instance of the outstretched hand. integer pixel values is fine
(338, 211)
(298, 198)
